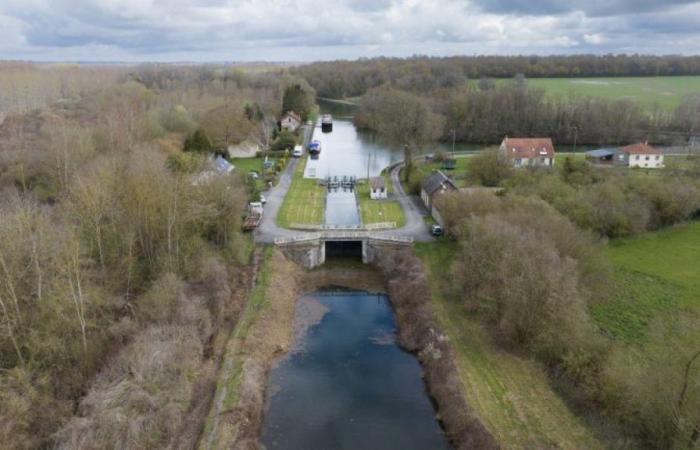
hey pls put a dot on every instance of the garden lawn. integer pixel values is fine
(379, 211)
(305, 202)
(511, 395)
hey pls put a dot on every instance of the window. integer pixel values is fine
(636, 157)
(658, 157)
(621, 157)
(518, 161)
(647, 158)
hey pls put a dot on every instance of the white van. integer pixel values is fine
(298, 151)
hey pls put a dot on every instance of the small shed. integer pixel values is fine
(601, 156)
(377, 188)
(449, 164)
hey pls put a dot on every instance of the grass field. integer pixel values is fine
(657, 281)
(378, 211)
(510, 394)
(305, 202)
(668, 92)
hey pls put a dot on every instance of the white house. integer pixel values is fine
(377, 188)
(528, 152)
(640, 155)
(290, 121)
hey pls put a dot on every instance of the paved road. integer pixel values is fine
(412, 206)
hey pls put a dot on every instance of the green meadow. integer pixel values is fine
(667, 92)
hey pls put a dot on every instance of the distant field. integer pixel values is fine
(666, 91)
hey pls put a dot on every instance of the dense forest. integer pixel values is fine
(117, 270)
(341, 79)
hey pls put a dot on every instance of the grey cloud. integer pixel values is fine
(592, 8)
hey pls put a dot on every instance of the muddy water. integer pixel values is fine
(346, 384)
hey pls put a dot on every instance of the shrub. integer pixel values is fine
(286, 140)
(489, 168)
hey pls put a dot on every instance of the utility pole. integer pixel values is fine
(575, 136)
(369, 155)
(454, 139)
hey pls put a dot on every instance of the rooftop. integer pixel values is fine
(438, 180)
(528, 147)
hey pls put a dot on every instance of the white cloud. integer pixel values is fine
(595, 38)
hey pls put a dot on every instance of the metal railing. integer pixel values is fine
(322, 227)
(344, 235)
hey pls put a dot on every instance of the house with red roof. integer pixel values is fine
(640, 154)
(528, 152)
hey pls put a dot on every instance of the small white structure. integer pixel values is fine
(528, 152)
(377, 188)
(640, 155)
(290, 121)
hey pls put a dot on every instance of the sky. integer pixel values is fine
(308, 30)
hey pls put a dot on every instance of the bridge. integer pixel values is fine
(311, 249)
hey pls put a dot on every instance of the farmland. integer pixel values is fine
(667, 92)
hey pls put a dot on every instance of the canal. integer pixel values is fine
(346, 384)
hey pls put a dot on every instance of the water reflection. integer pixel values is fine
(348, 385)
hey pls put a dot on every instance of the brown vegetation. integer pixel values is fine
(420, 333)
(117, 273)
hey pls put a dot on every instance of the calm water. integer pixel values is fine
(347, 385)
(341, 209)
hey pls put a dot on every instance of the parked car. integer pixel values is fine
(298, 151)
(436, 230)
(253, 175)
(263, 200)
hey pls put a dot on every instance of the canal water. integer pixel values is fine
(346, 384)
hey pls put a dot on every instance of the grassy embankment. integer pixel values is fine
(232, 365)
(510, 394)
(379, 211)
(667, 92)
(305, 202)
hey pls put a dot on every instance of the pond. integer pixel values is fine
(346, 384)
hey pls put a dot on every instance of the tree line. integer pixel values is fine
(486, 114)
(342, 79)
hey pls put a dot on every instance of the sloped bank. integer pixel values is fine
(266, 332)
(420, 334)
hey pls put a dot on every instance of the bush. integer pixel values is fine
(286, 140)
(489, 168)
